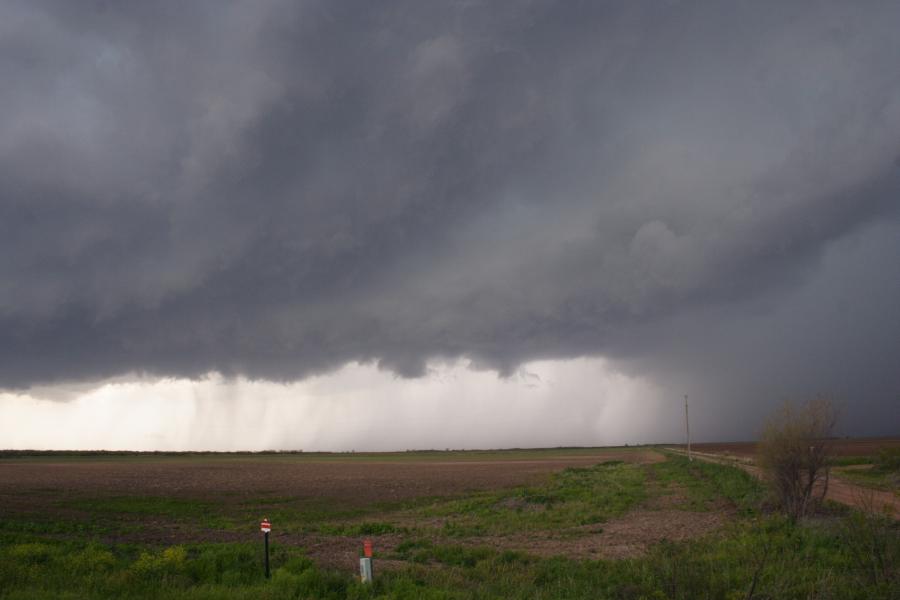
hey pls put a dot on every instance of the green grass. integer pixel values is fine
(199, 512)
(883, 474)
(706, 483)
(360, 529)
(52, 568)
(872, 478)
(56, 525)
(572, 498)
(848, 461)
(816, 560)
(143, 505)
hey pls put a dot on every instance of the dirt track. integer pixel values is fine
(838, 489)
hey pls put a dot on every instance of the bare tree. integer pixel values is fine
(795, 454)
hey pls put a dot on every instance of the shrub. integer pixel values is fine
(795, 453)
(165, 566)
(32, 553)
(92, 559)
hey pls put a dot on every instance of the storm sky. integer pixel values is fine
(444, 224)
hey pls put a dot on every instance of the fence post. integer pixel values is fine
(366, 573)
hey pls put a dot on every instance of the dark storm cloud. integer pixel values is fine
(275, 189)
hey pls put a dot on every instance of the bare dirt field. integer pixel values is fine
(353, 481)
(168, 500)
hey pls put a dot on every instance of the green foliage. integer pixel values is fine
(574, 497)
(358, 529)
(872, 542)
(703, 484)
(93, 559)
(174, 508)
(775, 557)
(52, 568)
(166, 567)
(57, 526)
(847, 461)
(310, 582)
(888, 460)
(415, 551)
(794, 452)
(873, 478)
(229, 564)
(884, 473)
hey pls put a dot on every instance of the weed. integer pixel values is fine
(571, 498)
(358, 529)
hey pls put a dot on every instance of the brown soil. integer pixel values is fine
(352, 482)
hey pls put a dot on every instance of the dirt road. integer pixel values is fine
(838, 489)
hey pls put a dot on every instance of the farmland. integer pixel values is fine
(866, 447)
(559, 523)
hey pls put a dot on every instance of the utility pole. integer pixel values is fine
(687, 428)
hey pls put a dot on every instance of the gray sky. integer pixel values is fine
(229, 202)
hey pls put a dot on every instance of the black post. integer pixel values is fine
(267, 554)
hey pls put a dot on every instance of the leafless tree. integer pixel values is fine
(795, 453)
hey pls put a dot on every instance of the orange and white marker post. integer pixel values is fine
(266, 527)
(365, 563)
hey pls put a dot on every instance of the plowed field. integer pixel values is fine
(351, 479)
